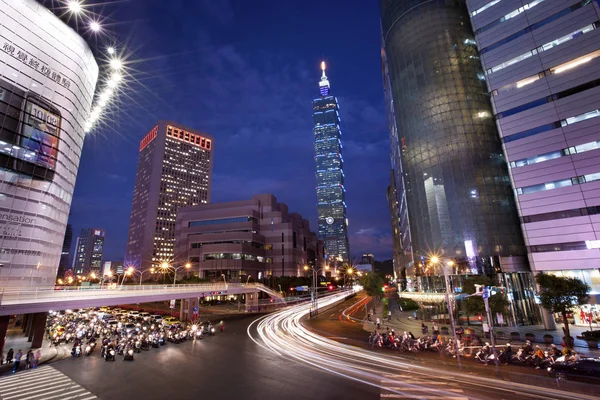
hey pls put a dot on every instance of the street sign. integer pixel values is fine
(172, 304)
(302, 288)
(195, 309)
(485, 292)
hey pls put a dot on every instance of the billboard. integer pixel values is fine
(48, 77)
(29, 132)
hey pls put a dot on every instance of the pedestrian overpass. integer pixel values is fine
(43, 299)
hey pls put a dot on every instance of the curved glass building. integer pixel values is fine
(460, 202)
(48, 77)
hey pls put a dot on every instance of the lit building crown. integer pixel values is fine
(324, 83)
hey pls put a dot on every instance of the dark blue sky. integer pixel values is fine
(245, 72)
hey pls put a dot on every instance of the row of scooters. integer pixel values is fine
(138, 341)
(526, 355)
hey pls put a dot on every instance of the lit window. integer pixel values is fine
(575, 62)
(485, 7)
(581, 117)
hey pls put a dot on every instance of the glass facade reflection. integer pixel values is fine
(460, 202)
(331, 194)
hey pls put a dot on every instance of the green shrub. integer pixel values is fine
(408, 304)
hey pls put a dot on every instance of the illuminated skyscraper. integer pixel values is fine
(89, 251)
(174, 170)
(331, 194)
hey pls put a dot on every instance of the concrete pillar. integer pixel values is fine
(30, 323)
(193, 308)
(251, 302)
(39, 328)
(27, 326)
(3, 328)
(186, 309)
(24, 319)
(548, 318)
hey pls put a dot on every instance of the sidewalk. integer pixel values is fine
(16, 339)
(404, 321)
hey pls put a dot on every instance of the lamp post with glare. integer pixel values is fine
(187, 266)
(315, 292)
(127, 273)
(151, 270)
(435, 260)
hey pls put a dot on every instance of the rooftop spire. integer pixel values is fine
(324, 83)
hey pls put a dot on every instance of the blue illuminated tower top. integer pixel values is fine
(331, 194)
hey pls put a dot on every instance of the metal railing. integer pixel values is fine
(8, 295)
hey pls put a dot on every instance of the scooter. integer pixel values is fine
(128, 355)
(110, 355)
(88, 350)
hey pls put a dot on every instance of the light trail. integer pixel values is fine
(283, 334)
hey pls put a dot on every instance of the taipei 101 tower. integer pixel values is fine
(331, 194)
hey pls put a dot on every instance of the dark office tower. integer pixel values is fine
(89, 252)
(331, 194)
(458, 191)
(66, 249)
(174, 170)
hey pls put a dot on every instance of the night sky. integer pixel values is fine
(245, 72)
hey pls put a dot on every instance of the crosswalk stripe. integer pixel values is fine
(60, 395)
(401, 396)
(35, 372)
(418, 382)
(43, 383)
(421, 389)
(33, 382)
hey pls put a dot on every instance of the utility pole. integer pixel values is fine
(451, 314)
(486, 294)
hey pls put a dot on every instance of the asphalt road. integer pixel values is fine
(227, 366)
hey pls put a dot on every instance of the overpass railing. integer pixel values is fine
(65, 292)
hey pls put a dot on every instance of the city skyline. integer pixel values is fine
(284, 82)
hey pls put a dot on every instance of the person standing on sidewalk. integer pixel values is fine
(9, 356)
(378, 322)
(36, 358)
(29, 359)
(17, 362)
(389, 316)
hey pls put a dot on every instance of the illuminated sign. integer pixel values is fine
(189, 137)
(148, 138)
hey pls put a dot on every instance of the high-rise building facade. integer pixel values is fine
(48, 77)
(459, 198)
(331, 193)
(89, 250)
(542, 67)
(396, 193)
(174, 170)
(255, 238)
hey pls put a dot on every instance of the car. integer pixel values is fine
(129, 328)
(586, 370)
(171, 321)
(113, 323)
(145, 316)
(157, 318)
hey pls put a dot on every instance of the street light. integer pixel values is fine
(224, 281)
(315, 292)
(127, 273)
(175, 269)
(151, 270)
(435, 260)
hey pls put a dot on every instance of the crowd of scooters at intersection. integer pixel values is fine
(121, 333)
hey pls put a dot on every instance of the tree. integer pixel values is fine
(372, 283)
(560, 295)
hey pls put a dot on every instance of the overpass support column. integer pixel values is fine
(24, 322)
(27, 323)
(3, 328)
(30, 322)
(251, 302)
(188, 309)
(39, 328)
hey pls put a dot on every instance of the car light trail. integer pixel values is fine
(283, 334)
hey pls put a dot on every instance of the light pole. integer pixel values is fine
(186, 266)
(435, 261)
(315, 292)
(127, 273)
(224, 281)
(151, 270)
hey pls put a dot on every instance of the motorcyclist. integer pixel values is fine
(506, 354)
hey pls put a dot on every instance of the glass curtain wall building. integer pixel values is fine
(542, 67)
(48, 78)
(331, 194)
(460, 202)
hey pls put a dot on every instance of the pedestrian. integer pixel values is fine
(389, 315)
(9, 356)
(435, 328)
(378, 322)
(17, 361)
(36, 358)
(29, 359)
